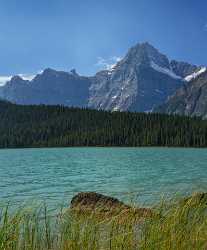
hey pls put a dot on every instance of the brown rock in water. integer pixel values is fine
(95, 202)
(92, 200)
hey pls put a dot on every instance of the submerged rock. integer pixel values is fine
(92, 200)
(98, 203)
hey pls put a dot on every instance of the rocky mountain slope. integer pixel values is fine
(189, 100)
(142, 80)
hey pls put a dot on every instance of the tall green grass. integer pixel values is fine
(175, 225)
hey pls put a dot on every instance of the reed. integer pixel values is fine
(175, 225)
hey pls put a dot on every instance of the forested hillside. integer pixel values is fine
(55, 126)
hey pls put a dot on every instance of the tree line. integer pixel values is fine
(58, 126)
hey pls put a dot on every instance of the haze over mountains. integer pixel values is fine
(142, 81)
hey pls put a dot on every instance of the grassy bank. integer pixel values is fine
(174, 225)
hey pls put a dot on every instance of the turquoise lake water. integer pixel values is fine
(142, 174)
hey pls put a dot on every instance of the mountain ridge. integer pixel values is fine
(140, 81)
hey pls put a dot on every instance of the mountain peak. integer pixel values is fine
(146, 45)
(48, 71)
(149, 48)
(143, 45)
(16, 78)
(73, 72)
(145, 54)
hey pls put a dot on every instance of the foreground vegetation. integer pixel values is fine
(175, 225)
(55, 126)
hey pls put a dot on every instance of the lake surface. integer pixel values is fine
(144, 174)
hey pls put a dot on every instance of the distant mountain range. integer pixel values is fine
(49, 87)
(142, 81)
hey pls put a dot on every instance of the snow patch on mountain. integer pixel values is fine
(195, 74)
(4, 80)
(29, 77)
(158, 91)
(163, 70)
(114, 97)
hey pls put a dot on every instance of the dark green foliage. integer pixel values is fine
(55, 126)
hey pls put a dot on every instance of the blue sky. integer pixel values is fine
(64, 34)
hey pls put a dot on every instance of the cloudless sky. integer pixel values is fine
(66, 34)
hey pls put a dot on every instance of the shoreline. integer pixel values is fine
(119, 147)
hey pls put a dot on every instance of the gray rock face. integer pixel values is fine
(139, 82)
(189, 100)
(142, 80)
